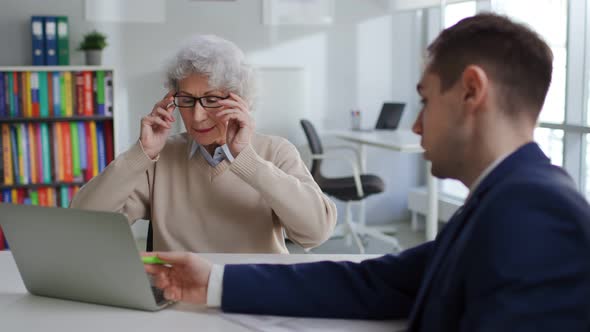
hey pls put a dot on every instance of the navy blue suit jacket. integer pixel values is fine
(515, 257)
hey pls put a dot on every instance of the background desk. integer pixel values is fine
(20, 311)
(401, 140)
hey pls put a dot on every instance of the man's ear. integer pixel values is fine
(475, 83)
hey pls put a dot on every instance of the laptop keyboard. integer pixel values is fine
(158, 295)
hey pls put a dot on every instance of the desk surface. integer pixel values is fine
(20, 311)
(402, 140)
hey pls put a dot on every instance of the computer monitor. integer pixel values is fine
(390, 116)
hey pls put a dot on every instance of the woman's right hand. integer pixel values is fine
(155, 127)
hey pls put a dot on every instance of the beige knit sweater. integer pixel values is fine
(239, 207)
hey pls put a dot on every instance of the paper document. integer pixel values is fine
(262, 323)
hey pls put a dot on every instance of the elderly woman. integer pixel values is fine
(220, 186)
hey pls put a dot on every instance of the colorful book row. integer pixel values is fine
(51, 40)
(44, 196)
(33, 94)
(43, 153)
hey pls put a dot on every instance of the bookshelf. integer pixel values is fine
(56, 131)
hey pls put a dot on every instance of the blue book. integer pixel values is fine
(50, 32)
(27, 201)
(82, 145)
(15, 162)
(35, 89)
(102, 157)
(37, 23)
(56, 94)
(2, 96)
(6, 196)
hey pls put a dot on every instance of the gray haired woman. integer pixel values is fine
(220, 186)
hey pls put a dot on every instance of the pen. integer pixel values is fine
(152, 260)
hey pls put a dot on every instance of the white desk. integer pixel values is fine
(401, 140)
(20, 311)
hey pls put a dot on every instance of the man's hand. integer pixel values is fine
(185, 278)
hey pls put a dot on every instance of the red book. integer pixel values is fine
(42, 192)
(79, 93)
(67, 142)
(89, 161)
(20, 196)
(88, 94)
(2, 239)
(108, 140)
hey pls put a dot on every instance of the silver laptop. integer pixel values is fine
(78, 255)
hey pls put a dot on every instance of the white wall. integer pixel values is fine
(367, 56)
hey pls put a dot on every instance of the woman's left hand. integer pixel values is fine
(240, 126)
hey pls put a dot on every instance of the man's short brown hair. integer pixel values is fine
(512, 55)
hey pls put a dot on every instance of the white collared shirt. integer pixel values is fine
(221, 153)
(485, 173)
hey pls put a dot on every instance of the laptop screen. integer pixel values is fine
(390, 116)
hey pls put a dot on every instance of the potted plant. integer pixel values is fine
(92, 45)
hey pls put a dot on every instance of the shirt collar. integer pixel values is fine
(220, 153)
(485, 173)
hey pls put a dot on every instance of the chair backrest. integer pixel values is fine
(391, 114)
(315, 145)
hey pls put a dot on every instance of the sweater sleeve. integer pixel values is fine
(122, 187)
(307, 215)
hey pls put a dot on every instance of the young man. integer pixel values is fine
(513, 258)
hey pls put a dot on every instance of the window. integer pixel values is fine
(549, 19)
(564, 123)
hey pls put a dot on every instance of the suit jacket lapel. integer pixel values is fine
(445, 240)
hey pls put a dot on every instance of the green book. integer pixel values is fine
(63, 41)
(46, 153)
(100, 92)
(34, 197)
(76, 170)
(64, 196)
(43, 98)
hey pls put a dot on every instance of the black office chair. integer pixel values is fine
(348, 189)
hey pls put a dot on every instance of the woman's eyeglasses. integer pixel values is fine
(183, 101)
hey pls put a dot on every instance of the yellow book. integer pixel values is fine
(32, 153)
(7, 154)
(60, 157)
(94, 146)
(14, 194)
(27, 93)
(69, 100)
